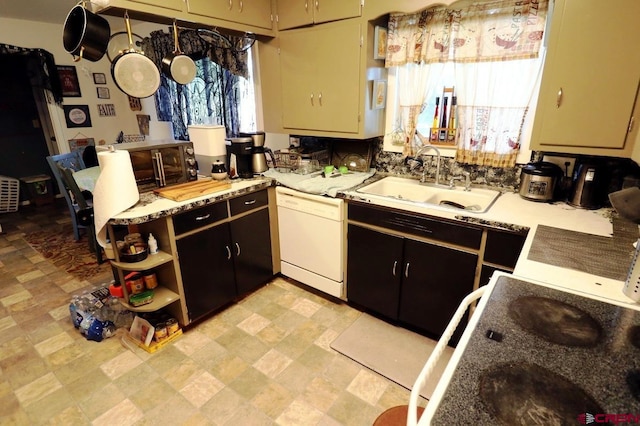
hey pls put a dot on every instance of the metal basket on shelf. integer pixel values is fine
(291, 161)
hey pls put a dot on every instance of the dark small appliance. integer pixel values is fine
(258, 151)
(589, 186)
(239, 152)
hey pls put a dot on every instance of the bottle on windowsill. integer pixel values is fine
(434, 125)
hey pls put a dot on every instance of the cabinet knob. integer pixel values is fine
(312, 100)
(406, 270)
(393, 271)
(320, 98)
(237, 249)
(559, 98)
(228, 252)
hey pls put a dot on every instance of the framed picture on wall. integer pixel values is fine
(380, 43)
(77, 115)
(69, 81)
(103, 92)
(379, 98)
(99, 78)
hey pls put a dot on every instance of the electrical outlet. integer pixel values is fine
(559, 161)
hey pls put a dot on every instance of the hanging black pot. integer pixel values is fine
(86, 35)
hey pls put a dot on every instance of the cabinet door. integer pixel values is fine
(333, 10)
(165, 4)
(294, 13)
(435, 280)
(374, 263)
(207, 270)
(256, 13)
(251, 245)
(297, 13)
(320, 72)
(591, 61)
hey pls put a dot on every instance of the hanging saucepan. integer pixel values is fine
(133, 72)
(86, 35)
(177, 66)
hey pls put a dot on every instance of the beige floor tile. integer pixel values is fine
(272, 363)
(253, 324)
(38, 389)
(228, 368)
(201, 389)
(368, 386)
(249, 383)
(23, 368)
(49, 406)
(272, 400)
(136, 380)
(120, 365)
(191, 342)
(70, 416)
(321, 394)
(315, 358)
(54, 344)
(299, 413)
(6, 323)
(271, 335)
(305, 307)
(350, 410)
(81, 388)
(296, 377)
(123, 414)
(248, 415)
(222, 406)
(183, 373)
(325, 339)
(156, 394)
(29, 276)
(101, 400)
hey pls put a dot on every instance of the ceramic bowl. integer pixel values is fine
(219, 176)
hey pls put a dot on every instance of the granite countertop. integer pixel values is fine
(152, 206)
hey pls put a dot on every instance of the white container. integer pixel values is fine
(153, 244)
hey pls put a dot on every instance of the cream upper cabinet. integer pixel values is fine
(321, 77)
(256, 13)
(298, 13)
(590, 81)
(165, 4)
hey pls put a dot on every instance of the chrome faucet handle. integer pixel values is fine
(467, 181)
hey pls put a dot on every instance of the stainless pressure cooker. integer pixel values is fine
(538, 181)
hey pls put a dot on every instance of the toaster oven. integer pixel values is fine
(157, 164)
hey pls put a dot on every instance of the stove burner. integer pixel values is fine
(527, 394)
(555, 321)
(634, 336)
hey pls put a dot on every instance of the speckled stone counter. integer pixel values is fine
(600, 370)
(152, 206)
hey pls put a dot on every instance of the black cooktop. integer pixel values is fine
(543, 356)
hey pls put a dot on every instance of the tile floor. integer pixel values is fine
(265, 360)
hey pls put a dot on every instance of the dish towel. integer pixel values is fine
(115, 190)
(316, 183)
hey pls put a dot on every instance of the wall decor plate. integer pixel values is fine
(77, 115)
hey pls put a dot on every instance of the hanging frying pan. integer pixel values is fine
(119, 42)
(177, 66)
(85, 34)
(133, 72)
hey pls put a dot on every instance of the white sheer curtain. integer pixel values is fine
(495, 47)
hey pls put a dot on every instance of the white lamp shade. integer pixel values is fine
(160, 130)
(208, 140)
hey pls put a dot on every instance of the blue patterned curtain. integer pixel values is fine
(213, 97)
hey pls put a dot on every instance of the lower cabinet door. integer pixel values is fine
(374, 270)
(251, 246)
(206, 265)
(435, 280)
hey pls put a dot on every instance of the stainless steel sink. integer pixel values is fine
(477, 200)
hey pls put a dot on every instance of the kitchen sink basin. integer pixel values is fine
(478, 200)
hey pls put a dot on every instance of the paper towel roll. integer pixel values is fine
(208, 140)
(115, 190)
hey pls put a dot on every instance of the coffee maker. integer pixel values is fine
(258, 151)
(589, 185)
(239, 157)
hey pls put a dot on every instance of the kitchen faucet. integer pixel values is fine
(420, 152)
(467, 181)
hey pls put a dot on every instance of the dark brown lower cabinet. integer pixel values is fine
(418, 283)
(226, 261)
(207, 270)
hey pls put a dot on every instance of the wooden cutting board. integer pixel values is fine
(186, 191)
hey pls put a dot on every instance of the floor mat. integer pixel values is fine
(76, 258)
(393, 352)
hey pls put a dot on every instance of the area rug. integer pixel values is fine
(393, 352)
(57, 245)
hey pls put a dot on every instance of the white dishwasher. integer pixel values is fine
(312, 233)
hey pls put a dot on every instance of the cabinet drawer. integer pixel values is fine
(416, 225)
(248, 202)
(200, 217)
(503, 248)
